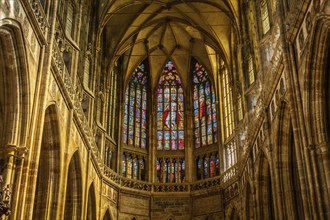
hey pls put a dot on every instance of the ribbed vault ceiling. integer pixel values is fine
(176, 30)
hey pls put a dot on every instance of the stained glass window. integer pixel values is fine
(135, 116)
(170, 127)
(124, 166)
(170, 170)
(133, 166)
(205, 119)
(208, 166)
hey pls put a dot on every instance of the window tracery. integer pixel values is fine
(227, 104)
(264, 16)
(170, 110)
(135, 115)
(133, 166)
(208, 165)
(205, 118)
(170, 170)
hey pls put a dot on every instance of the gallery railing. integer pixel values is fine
(118, 181)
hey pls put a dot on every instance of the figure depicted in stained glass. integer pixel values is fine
(170, 111)
(135, 117)
(207, 166)
(170, 170)
(204, 107)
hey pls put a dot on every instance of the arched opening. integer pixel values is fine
(266, 202)
(91, 205)
(14, 111)
(73, 203)
(14, 106)
(249, 203)
(327, 93)
(107, 215)
(294, 178)
(45, 201)
(234, 215)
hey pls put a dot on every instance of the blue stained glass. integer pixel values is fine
(204, 106)
(136, 108)
(159, 135)
(196, 104)
(196, 112)
(170, 108)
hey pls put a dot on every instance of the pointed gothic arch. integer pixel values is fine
(316, 107)
(204, 106)
(73, 198)
(135, 127)
(14, 104)
(91, 203)
(265, 190)
(234, 214)
(107, 215)
(46, 193)
(249, 201)
(14, 85)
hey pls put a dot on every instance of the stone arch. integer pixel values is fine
(265, 194)
(46, 194)
(14, 104)
(249, 202)
(234, 214)
(286, 168)
(316, 76)
(91, 203)
(14, 90)
(317, 112)
(73, 198)
(107, 215)
(294, 178)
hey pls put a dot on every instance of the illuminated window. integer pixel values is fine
(251, 77)
(170, 111)
(239, 107)
(133, 166)
(170, 170)
(135, 115)
(205, 118)
(112, 103)
(208, 166)
(264, 16)
(69, 25)
(227, 104)
(230, 155)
